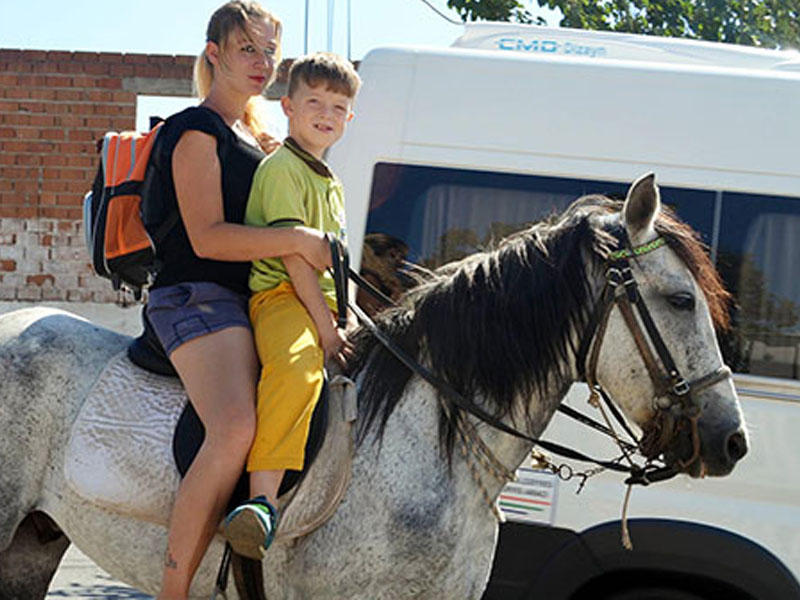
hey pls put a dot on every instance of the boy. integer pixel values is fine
(291, 307)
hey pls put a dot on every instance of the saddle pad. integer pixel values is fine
(119, 455)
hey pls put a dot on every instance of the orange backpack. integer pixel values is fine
(121, 244)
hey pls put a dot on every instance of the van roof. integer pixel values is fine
(533, 39)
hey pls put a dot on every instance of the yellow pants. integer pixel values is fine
(291, 378)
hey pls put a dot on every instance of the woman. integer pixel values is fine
(198, 304)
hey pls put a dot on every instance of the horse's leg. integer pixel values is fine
(27, 566)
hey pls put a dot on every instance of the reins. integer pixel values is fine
(674, 393)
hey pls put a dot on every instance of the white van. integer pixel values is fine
(451, 147)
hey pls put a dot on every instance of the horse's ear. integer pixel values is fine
(641, 208)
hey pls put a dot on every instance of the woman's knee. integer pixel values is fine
(233, 429)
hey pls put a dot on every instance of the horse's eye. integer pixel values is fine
(681, 301)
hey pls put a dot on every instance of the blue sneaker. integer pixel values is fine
(250, 527)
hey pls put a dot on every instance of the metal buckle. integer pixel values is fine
(681, 387)
(614, 277)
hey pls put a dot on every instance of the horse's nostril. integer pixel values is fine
(736, 446)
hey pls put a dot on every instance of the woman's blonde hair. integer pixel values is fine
(228, 19)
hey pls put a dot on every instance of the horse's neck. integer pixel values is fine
(411, 439)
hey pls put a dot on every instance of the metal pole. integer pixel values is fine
(349, 19)
(305, 35)
(331, 4)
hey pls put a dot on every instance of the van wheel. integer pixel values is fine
(655, 592)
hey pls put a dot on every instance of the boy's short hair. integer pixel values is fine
(335, 72)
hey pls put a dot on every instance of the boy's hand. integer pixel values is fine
(336, 345)
(314, 247)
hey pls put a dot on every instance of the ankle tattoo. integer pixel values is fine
(169, 561)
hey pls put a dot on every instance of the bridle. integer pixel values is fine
(675, 395)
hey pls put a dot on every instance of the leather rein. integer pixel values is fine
(674, 393)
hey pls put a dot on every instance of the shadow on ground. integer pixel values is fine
(110, 591)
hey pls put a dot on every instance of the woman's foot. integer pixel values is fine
(250, 527)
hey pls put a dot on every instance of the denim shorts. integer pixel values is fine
(185, 311)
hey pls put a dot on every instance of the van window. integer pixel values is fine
(431, 216)
(759, 245)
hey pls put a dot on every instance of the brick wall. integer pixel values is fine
(53, 107)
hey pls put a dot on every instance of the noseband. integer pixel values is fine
(674, 395)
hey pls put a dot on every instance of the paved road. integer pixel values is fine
(80, 579)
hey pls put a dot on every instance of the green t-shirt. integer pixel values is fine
(292, 188)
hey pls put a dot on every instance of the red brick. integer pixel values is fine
(43, 94)
(34, 107)
(83, 160)
(8, 265)
(134, 58)
(8, 106)
(84, 81)
(16, 93)
(80, 135)
(26, 186)
(126, 97)
(32, 80)
(62, 108)
(100, 96)
(54, 160)
(147, 71)
(16, 119)
(114, 83)
(50, 173)
(59, 81)
(47, 199)
(77, 187)
(59, 56)
(8, 132)
(97, 68)
(72, 198)
(42, 120)
(69, 121)
(70, 67)
(54, 186)
(75, 174)
(70, 95)
(44, 67)
(111, 57)
(6, 158)
(29, 133)
(47, 240)
(85, 56)
(28, 146)
(40, 280)
(28, 159)
(122, 70)
(10, 54)
(9, 79)
(52, 134)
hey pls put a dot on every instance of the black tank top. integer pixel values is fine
(238, 161)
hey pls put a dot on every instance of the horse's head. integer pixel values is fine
(653, 345)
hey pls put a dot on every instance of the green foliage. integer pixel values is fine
(767, 23)
(493, 10)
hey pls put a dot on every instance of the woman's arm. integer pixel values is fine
(198, 185)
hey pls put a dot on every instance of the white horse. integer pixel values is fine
(503, 328)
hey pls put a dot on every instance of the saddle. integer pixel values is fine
(137, 434)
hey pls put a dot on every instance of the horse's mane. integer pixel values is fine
(497, 324)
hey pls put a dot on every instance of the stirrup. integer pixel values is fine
(250, 527)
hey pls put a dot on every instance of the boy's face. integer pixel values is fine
(317, 116)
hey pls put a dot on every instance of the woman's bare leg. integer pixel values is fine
(219, 372)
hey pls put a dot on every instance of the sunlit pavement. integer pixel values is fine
(79, 578)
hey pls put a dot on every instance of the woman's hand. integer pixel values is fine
(314, 247)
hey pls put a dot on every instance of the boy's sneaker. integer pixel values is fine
(250, 527)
